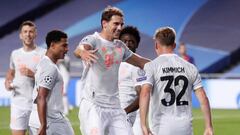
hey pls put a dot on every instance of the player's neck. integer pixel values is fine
(165, 50)
(106, 36)
(52, 57)
(29, 48)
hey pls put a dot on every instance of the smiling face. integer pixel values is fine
(113, 27)
(28, 35)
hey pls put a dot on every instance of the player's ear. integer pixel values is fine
(104, 24)
(156, 45)
(174, 45)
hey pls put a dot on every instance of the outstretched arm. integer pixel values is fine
(86, 53)
(144, 105)
(137, 60)
(205, 107)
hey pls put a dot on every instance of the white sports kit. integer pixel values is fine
(21, 99)
(100, 111)
(48, 76)
(128, 80)
(172, 79)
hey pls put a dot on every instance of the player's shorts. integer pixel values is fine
(96, 120)
(33, 130)
(60, 127)
(173, 126)
(19, 118)
(131, 118)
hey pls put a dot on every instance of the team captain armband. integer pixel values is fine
(141, 75)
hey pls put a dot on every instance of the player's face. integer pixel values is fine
(61, 48)
(28, 35)
(130, 41)
(114, 26)
(182, 50)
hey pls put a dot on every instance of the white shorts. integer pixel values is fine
(19, 118)
(60, 127)
(131, 118)
(97, 120)
(33, 130)
(173, 126)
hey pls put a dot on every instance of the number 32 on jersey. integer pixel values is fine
(173, 97)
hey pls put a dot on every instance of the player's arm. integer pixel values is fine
(205, 107)
(144, 105)
(135, 104)
(86, 53)
(42, 109)
(9, 78)
(137, 60)
(27, 72)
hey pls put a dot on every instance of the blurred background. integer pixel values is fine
(209, 28)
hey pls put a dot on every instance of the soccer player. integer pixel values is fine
(100, 112)
(20, 77)
(168, 87)
(49, 87)
(129, 88)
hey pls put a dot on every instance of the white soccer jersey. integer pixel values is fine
(22, 95)
(48, 76)
(128, 75)
(173, 80)
(101, 79)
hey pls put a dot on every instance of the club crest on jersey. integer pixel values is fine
(141, 72)
(48, 80)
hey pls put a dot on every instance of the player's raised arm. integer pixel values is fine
(137, 60)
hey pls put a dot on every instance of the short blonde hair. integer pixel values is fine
(165, 35)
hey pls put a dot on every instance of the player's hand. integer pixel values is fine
(89, 56)
(27, 72)
(9, 85)
(208, 131)
(146, 131)
(42, 130)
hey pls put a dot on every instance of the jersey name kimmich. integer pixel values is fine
(173, 70)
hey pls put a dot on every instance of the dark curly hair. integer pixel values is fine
(132, 31)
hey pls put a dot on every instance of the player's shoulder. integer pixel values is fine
(17, 51)
(40, 50)
(46, 64)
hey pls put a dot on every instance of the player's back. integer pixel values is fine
(171, 102)
(174, 79)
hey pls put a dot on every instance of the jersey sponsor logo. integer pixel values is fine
(141, 79)
(48, 80)
(141, 72)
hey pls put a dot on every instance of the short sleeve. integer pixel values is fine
(89, 40)
(127, 52)
(148, 75)
(137, 74)
(197, 82)
(47, 78)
